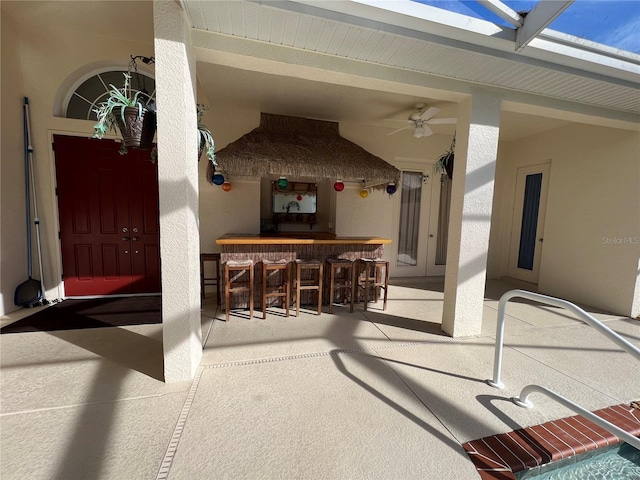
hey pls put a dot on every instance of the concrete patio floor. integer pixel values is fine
(367, 395)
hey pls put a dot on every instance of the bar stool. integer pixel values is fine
(210, 281)
(314, 283)
(373, 273)
(281, 290)
(344, 283)
(235, 284)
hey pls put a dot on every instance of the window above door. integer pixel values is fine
(95, 90)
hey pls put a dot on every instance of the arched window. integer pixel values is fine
(95, 90)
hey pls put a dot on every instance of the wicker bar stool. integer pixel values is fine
(236, 284)
(342, 278)
(373, 274)
(313, 284)
(210, 281)
(281, 290)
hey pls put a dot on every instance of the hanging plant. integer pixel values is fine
(444, 163)
(205, 138)
(136, 123)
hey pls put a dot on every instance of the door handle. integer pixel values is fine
(135, 239)
(540, 240)
(125, 239)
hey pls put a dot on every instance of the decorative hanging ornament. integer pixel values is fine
(299, 198)
(283, 182)
(226, 186)
(338, 186)
(217, 178)
(391, 188)
(364, 193)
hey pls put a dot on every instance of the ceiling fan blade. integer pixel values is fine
(427, 131)
(428, 113)
(396, 120)
(443, 121)
(399, 130)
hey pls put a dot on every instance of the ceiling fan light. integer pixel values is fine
(419, 132)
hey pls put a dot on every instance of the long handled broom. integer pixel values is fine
(31, 292)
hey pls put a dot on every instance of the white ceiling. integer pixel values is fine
(235, 88)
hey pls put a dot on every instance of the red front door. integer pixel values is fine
(109, 228)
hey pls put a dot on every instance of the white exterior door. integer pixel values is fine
(438, 225)
(527, 231)
(416, 220)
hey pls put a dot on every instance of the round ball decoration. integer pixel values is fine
(338, 186)
(217, 178)
(283, 182)
(226, 186)
(391, 188)
(299, 198)
(364, 193)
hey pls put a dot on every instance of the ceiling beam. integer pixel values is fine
(503, 11)
(545, 12)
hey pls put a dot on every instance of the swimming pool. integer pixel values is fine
(620, 462)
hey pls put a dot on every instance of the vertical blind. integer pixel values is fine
(443, 222)
(410, 200)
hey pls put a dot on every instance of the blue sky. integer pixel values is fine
(612, 22)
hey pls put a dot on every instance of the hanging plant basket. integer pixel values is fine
(445, 161)
(136, 122)
(448, 164)
(137, 130)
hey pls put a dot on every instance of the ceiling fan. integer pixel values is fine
(421, 119)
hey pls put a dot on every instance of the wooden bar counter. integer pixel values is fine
(292, 246)
(306, 246)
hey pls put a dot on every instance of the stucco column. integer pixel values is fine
(178, 190)
(470, 215)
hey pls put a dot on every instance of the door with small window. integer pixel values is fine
(527, 233)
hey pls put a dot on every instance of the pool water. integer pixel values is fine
(621, 462)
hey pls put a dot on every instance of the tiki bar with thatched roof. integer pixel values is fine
(299, 147)
(302, 164)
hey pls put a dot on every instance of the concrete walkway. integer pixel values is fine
(367, 395)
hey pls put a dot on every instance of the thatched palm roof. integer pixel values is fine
(299, 147)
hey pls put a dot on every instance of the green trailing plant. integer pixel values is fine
(205, 138)
(444, 163)
(113, 110)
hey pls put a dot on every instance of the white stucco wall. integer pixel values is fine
(236, 211)
(13, 237)
(591, 247)
(364, 217)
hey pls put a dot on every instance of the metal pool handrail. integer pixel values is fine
(523, 401)
(556, 302)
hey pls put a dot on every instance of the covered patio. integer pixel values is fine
(522, 96)
(368, 395)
